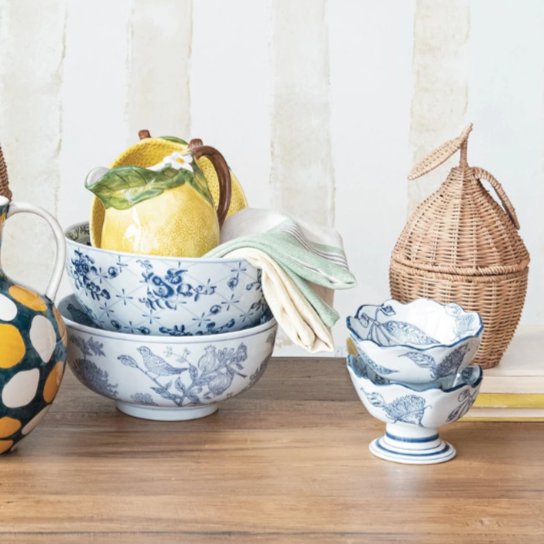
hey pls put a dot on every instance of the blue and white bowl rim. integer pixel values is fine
(162, 339)
(466, 337)
(203, 260)
(474, 385)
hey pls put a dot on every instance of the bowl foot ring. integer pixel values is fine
(158, 413)
(441, 453)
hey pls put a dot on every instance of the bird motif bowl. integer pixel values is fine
(413, 413)
(169, 296)
(166, 378)
(419, 342)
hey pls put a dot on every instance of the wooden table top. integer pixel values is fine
(287, 462)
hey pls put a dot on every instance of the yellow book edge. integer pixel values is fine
(510, 400)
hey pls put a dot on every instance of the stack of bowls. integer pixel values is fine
(410, 370)
(166, 338)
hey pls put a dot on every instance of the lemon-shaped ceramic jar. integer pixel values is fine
(166, 209)
(150, 151)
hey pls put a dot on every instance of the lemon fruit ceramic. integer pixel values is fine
(150, 151)
(165, 209)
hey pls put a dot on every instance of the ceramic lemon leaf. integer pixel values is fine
(124, 186)
(174, 139)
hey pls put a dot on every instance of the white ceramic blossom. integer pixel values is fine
(176, 160)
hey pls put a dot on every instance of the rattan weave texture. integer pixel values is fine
(461, 246)
(4, 182)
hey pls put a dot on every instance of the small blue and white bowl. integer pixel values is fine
(165, 378)
(168, 296)
(413, 413)
(416, 343)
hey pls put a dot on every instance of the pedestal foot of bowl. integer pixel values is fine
(166, 414)
(411, 445)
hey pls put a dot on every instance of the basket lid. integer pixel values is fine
(461, 228)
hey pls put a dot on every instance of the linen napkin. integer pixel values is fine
(301, 264)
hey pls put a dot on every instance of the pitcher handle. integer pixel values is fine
(56, 276)
(223, 174)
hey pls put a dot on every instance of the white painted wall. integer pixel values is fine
(320, 106)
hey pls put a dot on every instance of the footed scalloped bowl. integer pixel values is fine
(417, 343)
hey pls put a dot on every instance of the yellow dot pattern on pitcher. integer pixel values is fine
(52, 383)
(61, 326)
(28, 298)
(32, 358)
(5, 445)
(8, 426)
(13, 346)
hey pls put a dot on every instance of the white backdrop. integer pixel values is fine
(320, 106)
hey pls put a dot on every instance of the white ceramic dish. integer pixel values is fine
(419, 342)
(413, 413)
(168, 296)
(165, 378)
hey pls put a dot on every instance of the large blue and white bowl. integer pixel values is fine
(166, 378)
(170, 296)
(418, 342)
(413, 413)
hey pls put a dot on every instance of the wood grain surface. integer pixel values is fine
(287, 462)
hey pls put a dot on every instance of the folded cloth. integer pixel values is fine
(298, 261)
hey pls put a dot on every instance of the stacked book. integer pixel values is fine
(514, 390)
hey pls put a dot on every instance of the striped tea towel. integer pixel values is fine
(301, 266)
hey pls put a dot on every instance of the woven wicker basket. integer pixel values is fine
(461, 246)
(4, 183)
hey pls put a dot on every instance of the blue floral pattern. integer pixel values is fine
(466, 400)
(465, 323)
(405, 409)
(449, 366)
(88, 372)
(154, 295)
(360, 366)
(167, 373)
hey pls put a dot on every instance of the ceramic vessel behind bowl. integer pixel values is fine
(32, 343)
(166, 378)
(416, 343)
(166, 296)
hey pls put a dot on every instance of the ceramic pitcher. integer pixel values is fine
(32, 342)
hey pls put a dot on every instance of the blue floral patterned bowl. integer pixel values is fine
(413, 413)
(166, 378)
(419, 342)
(168, 296)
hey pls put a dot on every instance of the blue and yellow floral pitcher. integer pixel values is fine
(32, 341)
